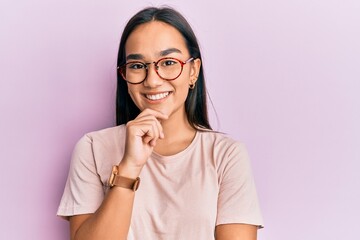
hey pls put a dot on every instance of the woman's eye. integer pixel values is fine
(168, 63)
(136, 66)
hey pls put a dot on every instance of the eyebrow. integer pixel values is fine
(169, 51)
(137, 56)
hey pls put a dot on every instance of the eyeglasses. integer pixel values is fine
(166, 68)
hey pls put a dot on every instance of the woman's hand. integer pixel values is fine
(141, 136)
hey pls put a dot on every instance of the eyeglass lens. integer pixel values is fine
(166, 68)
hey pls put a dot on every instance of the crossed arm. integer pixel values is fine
(222, 232)
(236, 231)
(112, 221)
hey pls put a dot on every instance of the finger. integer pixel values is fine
(148, 139)
(148, 120)
(151, 142)
(156, 114)
(160, 130)
(144, 128)
(150, 131)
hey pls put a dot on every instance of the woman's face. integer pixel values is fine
(148, 43)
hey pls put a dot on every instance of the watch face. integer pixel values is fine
(136, 184)
(113, 175)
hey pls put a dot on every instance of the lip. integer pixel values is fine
(158, 97)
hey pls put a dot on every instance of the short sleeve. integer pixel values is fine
(84, 191)
(237, 200)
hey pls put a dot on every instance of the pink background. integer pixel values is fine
(284, 77)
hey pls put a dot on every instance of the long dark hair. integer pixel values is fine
(195, 104)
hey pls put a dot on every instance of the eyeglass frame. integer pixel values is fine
(146, 65)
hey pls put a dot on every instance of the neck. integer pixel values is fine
(178, 135)
(176, 128)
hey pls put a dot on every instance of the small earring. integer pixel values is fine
(192, 86)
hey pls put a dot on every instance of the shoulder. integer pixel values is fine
(106, 135)
(222, 149)
(102, 138)
(101, 142)
(220, 142)
(99, 150)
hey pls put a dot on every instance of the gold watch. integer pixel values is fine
(116, 180)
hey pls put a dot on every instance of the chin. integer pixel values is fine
(162, 110)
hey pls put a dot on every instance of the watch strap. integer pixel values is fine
(123, 182)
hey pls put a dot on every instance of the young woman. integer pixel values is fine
(195, 183)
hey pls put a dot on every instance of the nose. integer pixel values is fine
(152, 80)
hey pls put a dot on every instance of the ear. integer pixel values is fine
(195, 69)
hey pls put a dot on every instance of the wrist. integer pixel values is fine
(116, 180)
(128, 170)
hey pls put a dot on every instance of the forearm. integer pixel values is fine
(236, 231)
(112, 219)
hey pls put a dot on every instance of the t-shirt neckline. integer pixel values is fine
(171, 158)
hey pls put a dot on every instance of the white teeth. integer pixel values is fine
(157, 96)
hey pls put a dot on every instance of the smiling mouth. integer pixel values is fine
(158, 96)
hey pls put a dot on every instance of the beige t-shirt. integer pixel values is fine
(183, 196)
